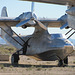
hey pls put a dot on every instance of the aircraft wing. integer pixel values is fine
(8, 21)
(51, 23)
(12, 22)
(61, 2)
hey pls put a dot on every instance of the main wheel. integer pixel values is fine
(14, 59)
(63, 63)
(60, 63)
(66, 61)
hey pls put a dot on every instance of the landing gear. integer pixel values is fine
(63, 63)
(60, 63)
(15, 58)
(66, 60)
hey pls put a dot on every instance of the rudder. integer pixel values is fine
(4, 12)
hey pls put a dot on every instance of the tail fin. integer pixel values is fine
(4, 12)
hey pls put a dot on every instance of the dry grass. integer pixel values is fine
(4, 49)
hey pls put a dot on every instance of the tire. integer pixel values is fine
(14, 59)
(63, 63)
(60, 63)
(66, 60)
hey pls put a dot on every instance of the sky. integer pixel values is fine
(16, 7)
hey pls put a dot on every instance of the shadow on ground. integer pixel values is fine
(28, 65)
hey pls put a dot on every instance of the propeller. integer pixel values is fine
(30, 16)
(63, 20)
(64, 26)
(22, 23)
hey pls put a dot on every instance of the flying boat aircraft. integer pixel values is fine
(40, 45)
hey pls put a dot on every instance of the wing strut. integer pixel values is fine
(14, 32)
(71, 35)
(69, 32)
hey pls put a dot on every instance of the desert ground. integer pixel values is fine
(29, 66)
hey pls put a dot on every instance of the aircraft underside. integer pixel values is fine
(52, 55)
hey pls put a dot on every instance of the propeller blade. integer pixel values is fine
(22, 23)
(32, 7)
(42, 25)
(65, 25)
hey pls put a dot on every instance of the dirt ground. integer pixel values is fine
(28, 66)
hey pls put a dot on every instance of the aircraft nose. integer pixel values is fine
(69, 46)
(68, 49)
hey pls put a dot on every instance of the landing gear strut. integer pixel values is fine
(15, 57)
(63, 63)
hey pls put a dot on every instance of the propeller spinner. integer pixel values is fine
(30, 18)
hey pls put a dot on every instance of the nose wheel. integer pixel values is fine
(63, 63)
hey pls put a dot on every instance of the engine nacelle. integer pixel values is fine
(71, 11)
(71, 17)
(63, 20)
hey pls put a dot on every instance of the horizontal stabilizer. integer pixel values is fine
(4, 12)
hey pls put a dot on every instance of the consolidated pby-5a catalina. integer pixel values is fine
(40, 45)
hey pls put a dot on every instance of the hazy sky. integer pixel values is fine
(15, 8)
